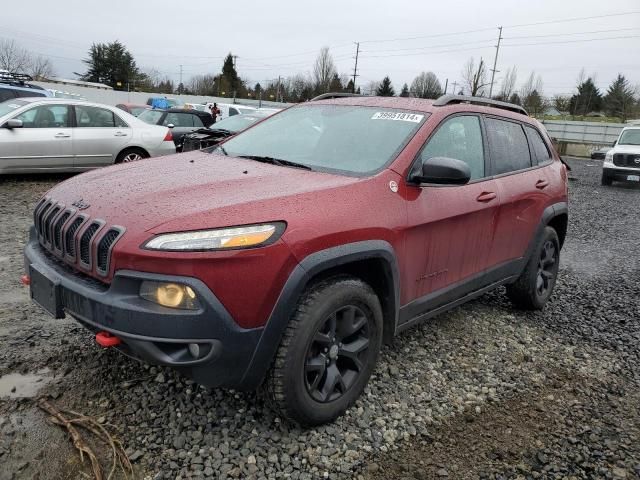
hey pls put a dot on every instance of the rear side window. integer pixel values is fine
(94, 117)
(29, 93)
(539, 150)
(197, 122)
(508, 146)
(6, 94)
(233, 111)
(460, 138)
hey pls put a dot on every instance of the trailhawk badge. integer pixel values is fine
(393, 185)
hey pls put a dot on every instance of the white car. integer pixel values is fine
(229, 110)
(622, 161)
(62, 135)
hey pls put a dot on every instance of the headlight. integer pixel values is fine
(219, 239)
(608, 157)
(172, 295)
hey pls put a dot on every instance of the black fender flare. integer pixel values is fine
(295, 285)
(552, 211)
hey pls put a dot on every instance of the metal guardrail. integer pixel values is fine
(586, 133)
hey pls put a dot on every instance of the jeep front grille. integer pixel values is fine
(71, 236)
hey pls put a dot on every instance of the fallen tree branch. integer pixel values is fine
(70, 420)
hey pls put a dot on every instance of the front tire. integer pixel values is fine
(534, 286)
(327, 353)
(606, 180)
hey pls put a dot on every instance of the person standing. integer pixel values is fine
(215, 111)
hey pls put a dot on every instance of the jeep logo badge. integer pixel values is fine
(80, 204)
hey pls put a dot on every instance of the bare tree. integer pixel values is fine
(533, 83)
(13, 57)
(372, 87)
(475, 78)
(508, 84)
(40, 68)
(323, 70)
(426, 85)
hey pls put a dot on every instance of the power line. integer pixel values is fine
(573, 19)
(570, 41)
(429, 53)
(428, 36)
(572, 33)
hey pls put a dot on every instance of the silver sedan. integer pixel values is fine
(62, 135)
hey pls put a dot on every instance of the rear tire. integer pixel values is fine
(327, 353)
(534, 286)
(131, 155)
(606, 180)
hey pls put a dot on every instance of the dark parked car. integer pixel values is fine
(14, 85)
(181, 121)
(208, 137)
(134, 109)
(287, 255)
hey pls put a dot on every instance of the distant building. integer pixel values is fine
(79, 83)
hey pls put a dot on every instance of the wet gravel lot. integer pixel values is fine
(484, 391)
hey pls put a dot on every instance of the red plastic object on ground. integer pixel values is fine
(25, 280)
(106, 340)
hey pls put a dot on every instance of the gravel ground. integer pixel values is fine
(484, 391)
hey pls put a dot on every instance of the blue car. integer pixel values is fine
(14, 85)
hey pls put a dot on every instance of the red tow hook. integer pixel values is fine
(106, 340)
(25, 280)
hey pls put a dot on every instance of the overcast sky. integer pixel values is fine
(283, 37)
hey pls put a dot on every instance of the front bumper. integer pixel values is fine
(619, 174)
(148, 331)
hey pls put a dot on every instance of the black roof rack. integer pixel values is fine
(451, 99)
(326, 96)
(17, 79)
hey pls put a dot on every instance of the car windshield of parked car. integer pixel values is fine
(236, 123)
(9, 106)
(630, 137)
(336, 138)
(152, 117)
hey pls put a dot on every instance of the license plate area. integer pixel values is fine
(633, 178)
(46, 292)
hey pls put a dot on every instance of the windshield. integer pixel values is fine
(10, 105)
(236, 123)
(630, 137)
(340, 138)
(151, 117)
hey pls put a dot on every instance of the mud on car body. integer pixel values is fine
(285, 257)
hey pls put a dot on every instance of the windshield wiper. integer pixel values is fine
(221, 149)
(276, 161)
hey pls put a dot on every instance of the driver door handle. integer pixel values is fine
(120, 134)
(62, 135)
(486, 196)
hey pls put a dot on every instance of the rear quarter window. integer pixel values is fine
(508, 146)
(539, 151)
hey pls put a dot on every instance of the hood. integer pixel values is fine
(626, 149)
(192, 190)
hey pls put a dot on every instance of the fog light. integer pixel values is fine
(172, 295)
(194, 350)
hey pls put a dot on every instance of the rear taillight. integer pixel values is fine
(168, 137)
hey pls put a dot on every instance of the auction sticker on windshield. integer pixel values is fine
(405, 117)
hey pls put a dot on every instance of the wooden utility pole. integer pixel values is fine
(355, 68)
(495, 62)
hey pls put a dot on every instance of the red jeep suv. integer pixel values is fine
(285, 256)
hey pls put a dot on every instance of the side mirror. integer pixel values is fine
(614, 143)
(443, 171)
(13, 123)
(171, 125)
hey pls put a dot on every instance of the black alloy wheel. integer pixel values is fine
(335, 355)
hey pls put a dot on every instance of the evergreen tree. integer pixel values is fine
(335, 85)
(515, 98)
(534, 103)
(385, 89)
(350, 87)
(405, 91)
(588, 99)
(619, 101)
(231, 81)
(113, 65)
